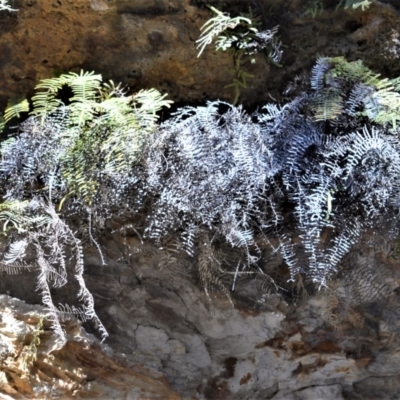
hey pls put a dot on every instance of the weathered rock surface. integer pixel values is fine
(260, 348)
(161, 324)
(140, 43)
(35, 365)
(151, 43)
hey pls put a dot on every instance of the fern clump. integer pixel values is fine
(239, 34)
(302, 180)
(37, 229)
(350, 87)
(99, 124)
(232, 176)
(58, 160)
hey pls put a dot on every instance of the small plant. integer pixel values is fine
(241, 35)
(217, 26)
(30, 351)
(364, 4)
(354, 4)
(315, 8)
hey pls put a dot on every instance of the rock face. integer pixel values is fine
(35, 365)
(140, 43)
(151, 43)
(163, 328)
(158, 318)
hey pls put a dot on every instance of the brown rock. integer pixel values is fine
(82, 368)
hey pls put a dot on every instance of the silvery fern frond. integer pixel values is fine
(364, 4)
(217, 25)
(5, 6)
(16, 251)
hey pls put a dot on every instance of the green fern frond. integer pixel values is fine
(381, 104)
(122, 149)
(131, 121)
(82, 112)
(353, 71)
(327, 106)
(396, 84)
(15, 107)
(110, 89)
(86, 90)
(102, 127)
(356, 71)
(17, 215)
(116, 111)
(151, 101)
(85, 87)
(383, 107)
(45, 101)
(79, 166)
(80, 185)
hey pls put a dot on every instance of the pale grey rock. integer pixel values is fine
(152, 341)
(5, 397)
(211, 349)
(331, 392)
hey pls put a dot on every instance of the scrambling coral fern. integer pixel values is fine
(303, 180)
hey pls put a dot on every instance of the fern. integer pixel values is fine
(383, 107)
(15, 267)
(334, 79)
(136, 118)
(79, 166)
(4, 6)
(327, 106)
(66, 312)
(45, 100)
(364, 4)
(50, 241)
(210, 273)
(15, 108)
(118, 126)
(62, 156)
(300, 182)
(22, 216)
(217, 25)
(16, 252)
(313, 168)
(85, 88)
(241, 35)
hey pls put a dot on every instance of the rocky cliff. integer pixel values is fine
(35, 365)
(168, 339)
(164, 328)
(151, 43)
